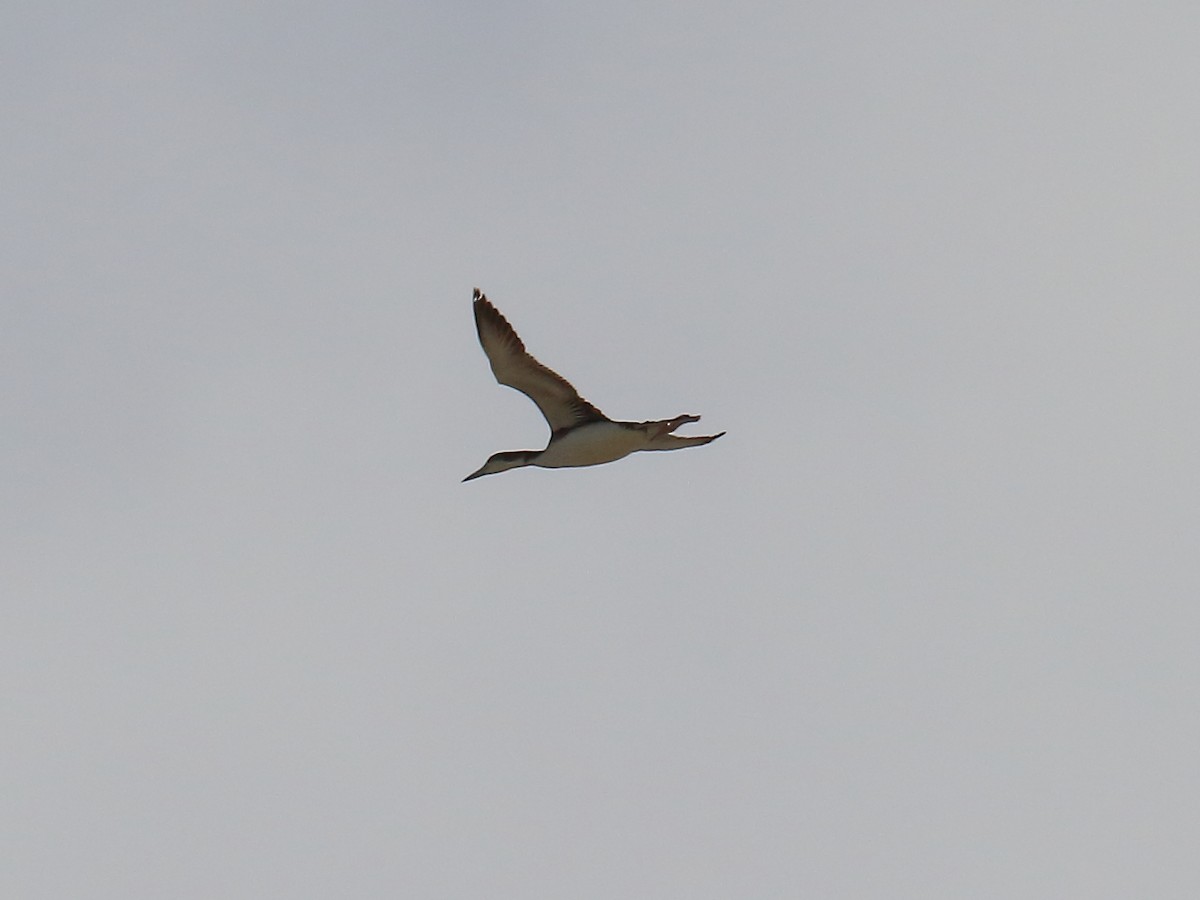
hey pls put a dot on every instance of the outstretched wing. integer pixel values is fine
(559, 402)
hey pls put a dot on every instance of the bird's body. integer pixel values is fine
(581, 435)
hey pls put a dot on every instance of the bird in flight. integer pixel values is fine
(580, 435)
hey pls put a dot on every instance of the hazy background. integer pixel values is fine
(922, 625)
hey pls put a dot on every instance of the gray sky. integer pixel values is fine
(922, 625)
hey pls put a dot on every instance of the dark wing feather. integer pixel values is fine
(559, 402)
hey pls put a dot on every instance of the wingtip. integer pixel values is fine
(478, 295)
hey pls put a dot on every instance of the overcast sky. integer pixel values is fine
(924, 624)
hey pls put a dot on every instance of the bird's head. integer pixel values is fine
(500, 462)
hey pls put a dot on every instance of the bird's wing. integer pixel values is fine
(559, 402)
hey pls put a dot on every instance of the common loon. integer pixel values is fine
(580, 435)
